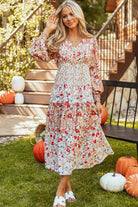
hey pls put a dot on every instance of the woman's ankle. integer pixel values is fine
(62, 186)
(60, 191)
(60, 194)
(68, 187)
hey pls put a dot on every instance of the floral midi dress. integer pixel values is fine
(74, 138)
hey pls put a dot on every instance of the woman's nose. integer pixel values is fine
(69, 17)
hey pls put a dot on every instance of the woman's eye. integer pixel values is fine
(72, 14)
(64, 17)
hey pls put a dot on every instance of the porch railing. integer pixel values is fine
(115, 36)
(14, 54)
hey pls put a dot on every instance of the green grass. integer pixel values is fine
(129, 124)
(24, 182)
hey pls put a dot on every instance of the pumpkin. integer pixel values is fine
(133, 169)
(104, 115)
(113, 182)
(18, 83)
(7, 97)
(19, 98)
(124, 162)
(38, 151)
(131, 185)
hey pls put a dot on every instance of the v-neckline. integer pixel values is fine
(69, 42)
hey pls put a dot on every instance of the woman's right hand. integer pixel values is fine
(52, 22)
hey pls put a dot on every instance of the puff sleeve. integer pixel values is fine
(39, 49)
(96, 79)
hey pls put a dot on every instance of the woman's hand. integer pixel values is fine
(52, 22)
(99, 108)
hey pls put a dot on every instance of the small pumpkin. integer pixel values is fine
(113, 182)
(19, 98)
(18, 83)
(38, 151)
(131, 185)
(133, 169)
(104, 115)
(124, 162)
(7, 97)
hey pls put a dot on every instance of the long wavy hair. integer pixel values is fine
(59, 35)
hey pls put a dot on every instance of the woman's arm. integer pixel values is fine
(97, 86)
(38, 48)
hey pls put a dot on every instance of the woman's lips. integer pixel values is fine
(70, 23)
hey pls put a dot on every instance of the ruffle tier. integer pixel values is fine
(74, 137)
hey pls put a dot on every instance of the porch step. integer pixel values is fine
(120, 68)
(39, 64)
(36, 98)
(35, 74)
(41, 86)
(25, 110)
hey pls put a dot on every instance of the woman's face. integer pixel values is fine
(68, 18)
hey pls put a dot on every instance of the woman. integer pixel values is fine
(74, 138)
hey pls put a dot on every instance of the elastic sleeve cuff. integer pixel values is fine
(97, 98)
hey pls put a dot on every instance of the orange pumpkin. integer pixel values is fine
(133, 169)
(38, 151)
(7, 97)
(131, 185)
(104, 115)
(124, 162)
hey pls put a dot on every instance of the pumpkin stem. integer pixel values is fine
(135, 165)
(114, 174)
(128, 155)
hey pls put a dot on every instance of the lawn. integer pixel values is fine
(24, 182)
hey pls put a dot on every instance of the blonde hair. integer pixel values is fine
(59, 35)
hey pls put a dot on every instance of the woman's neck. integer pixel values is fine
(73, 34)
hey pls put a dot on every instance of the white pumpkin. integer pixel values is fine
(18, 83)
(113, 182)
(19, 98)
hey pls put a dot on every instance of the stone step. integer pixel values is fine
(38, 86)
(35, 74)
(25, 110)
(36, 97)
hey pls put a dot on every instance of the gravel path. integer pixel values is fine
(7, 139)
(14, 127)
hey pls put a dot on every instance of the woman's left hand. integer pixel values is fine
(99, 108)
